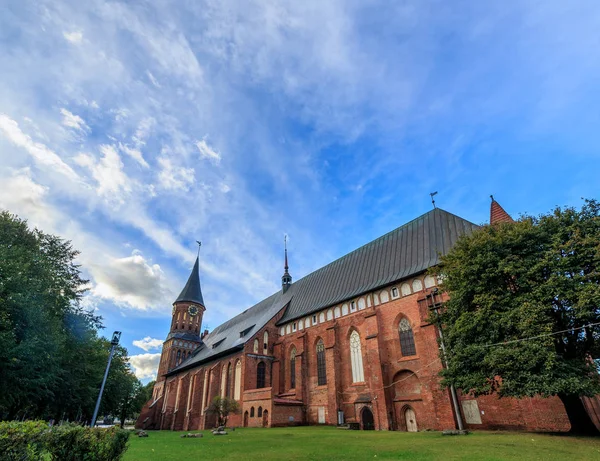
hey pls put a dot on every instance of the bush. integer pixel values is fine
(34, 440)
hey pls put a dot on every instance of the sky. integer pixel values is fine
(134, 129)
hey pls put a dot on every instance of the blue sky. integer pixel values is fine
(136, 128)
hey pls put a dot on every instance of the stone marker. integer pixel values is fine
(142, 434)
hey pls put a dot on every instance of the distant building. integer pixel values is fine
(348, 343)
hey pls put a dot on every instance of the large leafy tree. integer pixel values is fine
(51, 358)
(523, 309)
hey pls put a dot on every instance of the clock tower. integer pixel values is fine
(184, 335)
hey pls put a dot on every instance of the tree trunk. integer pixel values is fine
(581, 423)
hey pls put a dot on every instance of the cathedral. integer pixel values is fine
(350, 343)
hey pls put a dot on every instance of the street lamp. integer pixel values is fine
(114, 342)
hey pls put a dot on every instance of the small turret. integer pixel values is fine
(286, 279)
(497, 213)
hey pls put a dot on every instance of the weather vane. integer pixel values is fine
(432, 194)
(199, 245)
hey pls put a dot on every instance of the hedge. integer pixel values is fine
(34, 441)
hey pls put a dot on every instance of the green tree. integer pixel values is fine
(512, 288)
(223, 407)
(51, 358)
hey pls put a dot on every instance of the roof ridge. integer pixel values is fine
(383, 237)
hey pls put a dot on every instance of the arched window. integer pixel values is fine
(321, 368)
(293, 369)
(429, 281)
(384, 296)
(255, 348)
(266, 343)
(405, 289)
(205, 392)
(358, 374)
(336, 312)
(252, 412)
(330, 314)
(224, 381)
(376, 299)
(178, 357)
(407, 339)
(237, 386)
(228, 387)
(361, 304)
(417, 285)
(259, 412)
(260, 375)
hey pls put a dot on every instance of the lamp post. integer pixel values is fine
(114, 342)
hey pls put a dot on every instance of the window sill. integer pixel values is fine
(360, 383)
(408, 358)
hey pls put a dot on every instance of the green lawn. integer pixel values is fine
(327, 443)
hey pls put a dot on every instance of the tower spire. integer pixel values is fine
(191, 291)
(286, 279)
(497, 213)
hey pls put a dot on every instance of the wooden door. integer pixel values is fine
(411, 420)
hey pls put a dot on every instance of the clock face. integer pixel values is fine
(193, 310)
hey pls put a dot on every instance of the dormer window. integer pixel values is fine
(218, 343)
(246, 331)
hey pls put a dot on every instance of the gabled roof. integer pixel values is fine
(191, 291)
(403, 252)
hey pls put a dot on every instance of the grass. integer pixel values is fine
(328, 443)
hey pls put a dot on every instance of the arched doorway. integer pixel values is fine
(411, 420)
(368, 423)
(246, 419)
(265, 420)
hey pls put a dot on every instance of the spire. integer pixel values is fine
(497, 213)
(286, 279)
(191, 291)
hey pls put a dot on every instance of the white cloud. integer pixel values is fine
(73, 37)
(208, 152)
(148, 343)
(40, 152)
(73, 121)
(135, 154)
(108, 173)
(21, 194)
(131, 281)
(143, 131)
(153, 79)
(172, 177)
(145, 365)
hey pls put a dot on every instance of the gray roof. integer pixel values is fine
(191, 291)
(403, 252)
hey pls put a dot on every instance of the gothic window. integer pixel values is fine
(178, 357)
(281, 331)
(321, 317)
(417, 285)
(224, 381)
(266, 343)
(352, 306)
(336, 312)
(228, 387)
(205, 392)
(361, 304)
(237, 387)
(344, 309)
(293, 368)
(407, 339)
(255, 349)
(329, 314)
(259, 412)
(395, 292)
(300, 325)
(294, 327)
(260, 375)
(356, 359)
(321, 368)
(252, 412)
(314, 319)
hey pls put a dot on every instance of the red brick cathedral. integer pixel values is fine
(349, 343)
